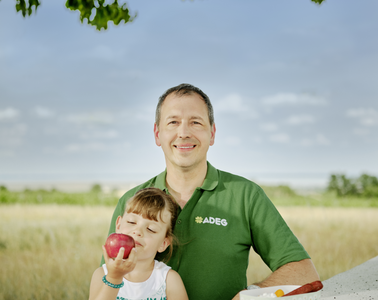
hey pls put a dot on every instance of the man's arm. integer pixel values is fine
(293, 273)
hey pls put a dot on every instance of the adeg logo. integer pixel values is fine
(211, 220)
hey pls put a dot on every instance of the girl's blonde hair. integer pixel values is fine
(151, 203)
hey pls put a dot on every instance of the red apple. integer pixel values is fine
(117, 240)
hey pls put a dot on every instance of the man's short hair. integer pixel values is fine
(181, 90)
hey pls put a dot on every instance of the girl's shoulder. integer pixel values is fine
(175, 286)
(161, 268)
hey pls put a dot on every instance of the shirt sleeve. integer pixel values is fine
(271, 237)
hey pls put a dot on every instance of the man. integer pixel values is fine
(221, 215)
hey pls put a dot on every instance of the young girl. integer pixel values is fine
(149, 218)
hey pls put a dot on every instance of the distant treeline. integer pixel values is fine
(365, 186)
(341, 191)
(93, 197)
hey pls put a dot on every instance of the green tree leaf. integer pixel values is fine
(26, 7)
(98, 14)
(95, 12)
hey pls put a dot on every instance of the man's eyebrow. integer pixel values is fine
(177, 117)
(196, 118)
(171, 117)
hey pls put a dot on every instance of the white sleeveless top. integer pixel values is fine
(154, 287)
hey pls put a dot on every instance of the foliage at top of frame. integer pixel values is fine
(95, 12)
(98, 14)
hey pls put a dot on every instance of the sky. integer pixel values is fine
(294, 87)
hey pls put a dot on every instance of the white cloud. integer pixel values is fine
(100, 134)
(43, 112)
(95, 118)
(90, 147)
(319, 139)
(232, 141)
(6, 51)
(361, 131)
(366, 116)
(269, 127)
(145, 113)
(7, 153)
(300, 119)
(281, 138)
(9, 114)
(12, 135)
(293, 99)
(104, 52)
(233, 103)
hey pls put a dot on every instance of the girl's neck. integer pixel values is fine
(141, 272)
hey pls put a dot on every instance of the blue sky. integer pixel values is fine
(294, 86)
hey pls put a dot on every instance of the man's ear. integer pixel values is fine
(118, 223)
(164, 245)
(212, 138)
(156, 135)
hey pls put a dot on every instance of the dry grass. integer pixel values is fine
(51, 251)
(337, 239)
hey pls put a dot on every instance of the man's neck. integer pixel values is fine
(181, 183)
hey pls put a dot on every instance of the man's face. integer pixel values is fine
(184, 132)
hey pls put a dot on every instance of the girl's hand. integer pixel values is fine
(119, 267)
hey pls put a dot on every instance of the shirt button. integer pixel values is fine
(178, 221)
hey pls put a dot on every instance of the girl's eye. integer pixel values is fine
(149, 229)
(131, 222)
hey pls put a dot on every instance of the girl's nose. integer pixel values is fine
(137, 232)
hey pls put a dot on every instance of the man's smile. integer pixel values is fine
(184, 147)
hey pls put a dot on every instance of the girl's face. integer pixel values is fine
(149, 235)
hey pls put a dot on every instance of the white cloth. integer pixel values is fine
(154, 287)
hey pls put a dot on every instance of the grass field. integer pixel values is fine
(51, 251)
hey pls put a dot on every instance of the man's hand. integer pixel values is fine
(294, 273)
(237, 297)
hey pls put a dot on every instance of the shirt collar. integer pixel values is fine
(160, 181)
(210, 182)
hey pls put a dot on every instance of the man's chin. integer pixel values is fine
(187, 165)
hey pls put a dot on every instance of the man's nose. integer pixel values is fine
(184, 131)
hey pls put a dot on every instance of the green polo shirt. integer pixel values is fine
(222, 220)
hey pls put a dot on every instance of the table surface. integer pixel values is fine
(360, 283)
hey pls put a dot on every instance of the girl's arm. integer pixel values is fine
(175, 287)
(98, 290)
(117, 269)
